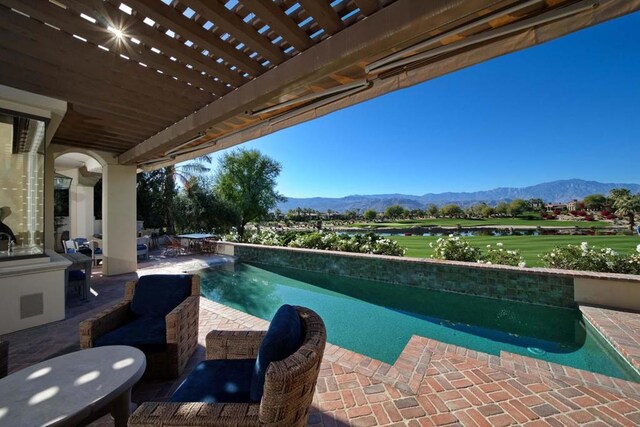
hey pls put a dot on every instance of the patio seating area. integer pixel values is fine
(431, 383)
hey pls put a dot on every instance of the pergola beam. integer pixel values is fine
(171, 19)
(271, 14)
(68, 22)
(398, 23)
(154, 38)
(230, 23)
(368, 7)
(323, 14)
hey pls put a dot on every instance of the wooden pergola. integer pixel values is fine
(159, 81)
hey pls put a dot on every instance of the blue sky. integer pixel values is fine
(569, 108)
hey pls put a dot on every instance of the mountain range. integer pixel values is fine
(554, 191)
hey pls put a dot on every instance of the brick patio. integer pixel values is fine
(431, 383)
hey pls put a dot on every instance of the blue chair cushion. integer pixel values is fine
(157, 294)
(71, 251)
(141, 247)
(217, 381)
(148, 334)
(98, 251)
(283, 338)
(76, 275)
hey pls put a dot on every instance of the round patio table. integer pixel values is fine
(67, 389)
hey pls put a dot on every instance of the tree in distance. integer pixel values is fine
(451, 211)
(370, 215)
(246, 180)
(395, 211)
(517, 207)
(594, 202)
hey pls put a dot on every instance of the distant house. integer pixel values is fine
(573, 205)
(550, 207)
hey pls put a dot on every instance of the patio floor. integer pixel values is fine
(431, 383)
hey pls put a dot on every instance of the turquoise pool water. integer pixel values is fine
(378, 319)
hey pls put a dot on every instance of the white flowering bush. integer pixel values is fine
(362, 243)
(264, 237)
(502, 256)
(590, 258)
(454, 248)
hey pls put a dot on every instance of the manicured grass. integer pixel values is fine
(529, 246)
(497, 222)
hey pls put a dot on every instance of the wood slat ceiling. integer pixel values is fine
(137, 74)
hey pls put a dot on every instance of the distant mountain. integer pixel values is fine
(555, 191)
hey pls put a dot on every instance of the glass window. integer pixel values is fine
(22, 143)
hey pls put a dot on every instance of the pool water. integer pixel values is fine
(378, 319)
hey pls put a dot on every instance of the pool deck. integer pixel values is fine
(431, 383)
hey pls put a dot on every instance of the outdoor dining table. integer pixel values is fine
(195, 240)
(68, 389)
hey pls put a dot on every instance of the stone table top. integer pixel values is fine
(66, 389)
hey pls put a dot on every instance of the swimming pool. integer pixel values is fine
(378, 319)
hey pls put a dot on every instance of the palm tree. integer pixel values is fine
(180, 174)
(627, 206)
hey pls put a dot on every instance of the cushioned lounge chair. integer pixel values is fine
(142, 247)
(250, 378)
(159, 315)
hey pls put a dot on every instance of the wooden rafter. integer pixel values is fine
(230, 23)
(275, 17)
(153, 38)
(367, 7)
(324, 15)
(65, 20)
(172, 19)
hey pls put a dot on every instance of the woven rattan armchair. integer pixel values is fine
(169, 358)
(4, 358)
(288, 388)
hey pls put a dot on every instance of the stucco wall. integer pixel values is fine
(526, 285)
(622, 294)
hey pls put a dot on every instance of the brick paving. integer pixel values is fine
(431, 383)
(622, 329)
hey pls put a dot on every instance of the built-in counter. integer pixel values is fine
(32, 291)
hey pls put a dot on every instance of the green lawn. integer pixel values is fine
(497, 222)
(529, 246)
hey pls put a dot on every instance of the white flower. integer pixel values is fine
(498, 244)
(522, 264)
(638, 248)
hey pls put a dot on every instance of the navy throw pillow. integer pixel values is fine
(283, 338)
(157, 294)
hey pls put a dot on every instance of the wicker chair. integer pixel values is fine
(181, 322)
(288, 388)
(4, 358)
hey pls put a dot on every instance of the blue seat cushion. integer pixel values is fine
(149, 334)
(98, 251)
(283, 338)
(141, 247)
(157, 294)
(71, 251)
(76, 275)
(217, 381)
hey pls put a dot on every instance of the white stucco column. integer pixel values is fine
(80, 206)
(119, 219)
